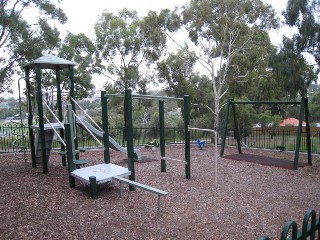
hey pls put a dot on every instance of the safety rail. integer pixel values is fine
(58, 121)
(53, 114)
(310, 228)
(83, 124)
(87, 115)
(87, 129)
(215, 147)
(55, 131)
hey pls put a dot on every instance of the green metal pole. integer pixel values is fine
(236, 127)
(93, 187)
(70, 149)
(306, 113)
(60, 112)
(186, 102)
(30, 117)
(41, 120)
(129, 130)
(225, 128)
(72, 94)
(299, 134)
(162, 138)
(105, 126)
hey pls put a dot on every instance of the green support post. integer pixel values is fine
(60, 113)
(306, 113)
(186, 103)
(105, 126)
(41, 120)
(236, 127)
(162, 138)
(30, 117)
(72, 94)
(299, 134)
(70, 149)
(93, 187)
(129, 130)
(225, 128)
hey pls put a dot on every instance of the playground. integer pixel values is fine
(250, 199)
(155, 191)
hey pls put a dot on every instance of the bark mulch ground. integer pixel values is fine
(248, 201)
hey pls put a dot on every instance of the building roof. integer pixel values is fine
(291, 121)
(50, 62)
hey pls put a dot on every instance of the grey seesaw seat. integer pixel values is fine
(142, 186)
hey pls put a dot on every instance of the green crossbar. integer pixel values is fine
(142, 186)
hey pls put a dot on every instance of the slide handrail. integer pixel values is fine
(87, 115)
(88, 130)
(53, 114)
(54, 129)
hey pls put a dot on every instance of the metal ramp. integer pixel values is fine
(113, 144)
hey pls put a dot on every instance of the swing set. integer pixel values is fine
(303, 114)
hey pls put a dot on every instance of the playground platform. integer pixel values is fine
(103, 172)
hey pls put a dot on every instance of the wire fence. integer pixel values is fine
(281, 138)
(8, 136)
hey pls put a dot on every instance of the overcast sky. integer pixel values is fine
(83, 14)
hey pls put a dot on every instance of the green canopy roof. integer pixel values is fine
(50, 62)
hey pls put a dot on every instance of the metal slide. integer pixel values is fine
(112, 143)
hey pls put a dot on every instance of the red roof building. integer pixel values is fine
(291, 122)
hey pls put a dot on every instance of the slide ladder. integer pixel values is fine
(19, 144)
(48, 140)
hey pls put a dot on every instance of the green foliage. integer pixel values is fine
(293, 75)
(176, 71)
(314, 107)
(305, 16)
(80, 49)
(124, 43)
(21, 41)
(225, 34)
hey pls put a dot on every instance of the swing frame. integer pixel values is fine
(304, 113)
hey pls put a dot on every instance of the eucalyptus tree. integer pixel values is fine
(304, 14)
(80, 49)
(177, 72)
(291, 71)
(127, 46)
(315, 107)
(222, 30)
(20, 40)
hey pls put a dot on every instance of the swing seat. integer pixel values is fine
(281, 148)
(201, 144)
(153, 144)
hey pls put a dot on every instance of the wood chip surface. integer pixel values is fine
(250, 200)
